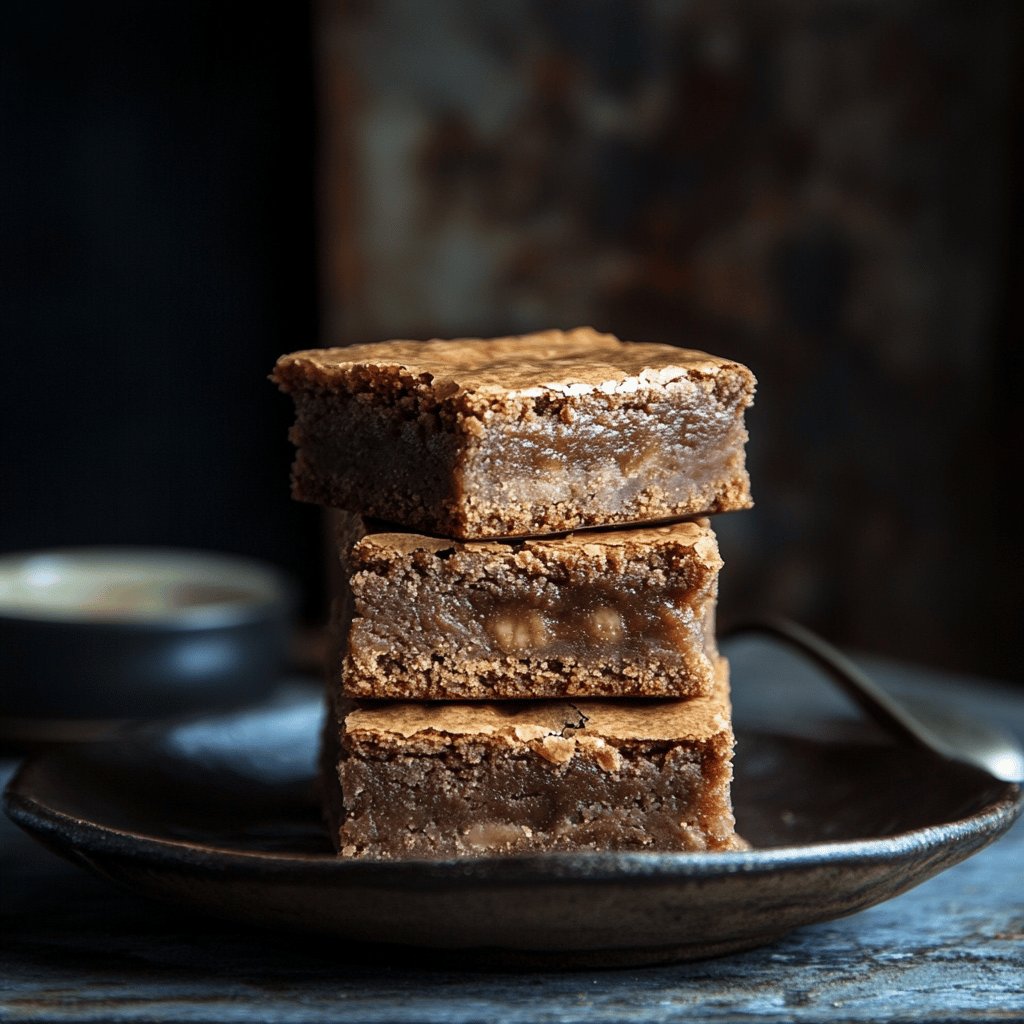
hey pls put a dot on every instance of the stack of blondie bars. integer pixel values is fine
(524, 652)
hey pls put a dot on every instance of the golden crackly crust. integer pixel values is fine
(597, 546)
(529, 723)
(481, 373)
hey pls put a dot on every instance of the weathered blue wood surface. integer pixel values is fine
(78, 949)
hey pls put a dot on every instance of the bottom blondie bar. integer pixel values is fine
(441, 780)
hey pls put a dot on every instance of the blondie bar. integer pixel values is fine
(537, 434)
(441, 780)
(623, 613)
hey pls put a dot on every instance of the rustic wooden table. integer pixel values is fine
(76, 948)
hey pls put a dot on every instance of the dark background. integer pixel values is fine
(828, 192)
(158, 255)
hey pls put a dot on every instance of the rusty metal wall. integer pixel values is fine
(822, 190)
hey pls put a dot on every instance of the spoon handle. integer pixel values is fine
(873, 700)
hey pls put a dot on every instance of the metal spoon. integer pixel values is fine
(943, 732)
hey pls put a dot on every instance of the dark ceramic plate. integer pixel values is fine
(220, 814)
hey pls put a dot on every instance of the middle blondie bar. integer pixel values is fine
(627, 613)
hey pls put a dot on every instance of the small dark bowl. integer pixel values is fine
(121, 633)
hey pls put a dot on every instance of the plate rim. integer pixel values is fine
(83, 836)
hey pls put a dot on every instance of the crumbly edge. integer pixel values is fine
(469, 521)
(524, 679)
(490, 520)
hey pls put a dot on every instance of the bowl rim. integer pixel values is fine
(271, 592)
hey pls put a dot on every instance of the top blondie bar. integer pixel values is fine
(520, 436)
